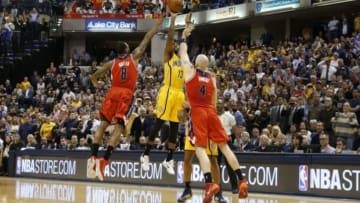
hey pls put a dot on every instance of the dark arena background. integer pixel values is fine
(287, 73)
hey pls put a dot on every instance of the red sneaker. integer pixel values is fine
(100, 167)
(243, 189)
(210, 190)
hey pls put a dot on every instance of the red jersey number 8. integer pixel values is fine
(203, 90)
(123, 73)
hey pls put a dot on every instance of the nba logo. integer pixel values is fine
(303, 178)
(18, 166)
(180, 172)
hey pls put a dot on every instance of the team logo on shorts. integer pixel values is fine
(180, 172)
(303, 178)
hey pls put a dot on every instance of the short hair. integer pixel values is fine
(342, 140)
(324, 134)
(121, 47)
(202, 60)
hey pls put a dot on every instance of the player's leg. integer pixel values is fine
(219, 136)
(231, 173)
(210, 188)
(188, 158)
(233, 162)
(212, 152)
(200, 127)
(95, 148)
(145, 159)
(161, 104)
(171, 145)
(215, 171)
(113, 142)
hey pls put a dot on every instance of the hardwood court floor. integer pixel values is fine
(18, 190)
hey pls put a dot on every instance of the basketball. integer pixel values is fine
(175, 6)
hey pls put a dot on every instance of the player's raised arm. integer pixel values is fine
(169, 49)
(138, 51)
(214, 96)
(100, 72)
(184, 57)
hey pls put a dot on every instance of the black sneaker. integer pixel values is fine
(235, 190)
(219, 198)
(187, 194)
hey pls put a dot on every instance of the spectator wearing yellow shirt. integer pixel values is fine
(269, 87)
(245, 62)
(46, 129)
(357, 23)
(77, 102)
(25, 84)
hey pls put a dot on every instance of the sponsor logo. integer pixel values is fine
(132, 170)
(180, 172)
(303, 178)
(334, 179)
(48, 167)
(115, 25)
(256, 175)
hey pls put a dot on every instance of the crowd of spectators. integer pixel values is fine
(299, 95)
(146, 7)
(22, 23)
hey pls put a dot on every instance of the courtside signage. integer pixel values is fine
(272, 5)
(333, 179)
(110, 25)
(322, 179)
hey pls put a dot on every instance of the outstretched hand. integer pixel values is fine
(172, 14)
(188, 19)
(187, 31)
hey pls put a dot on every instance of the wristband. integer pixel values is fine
(183, 40)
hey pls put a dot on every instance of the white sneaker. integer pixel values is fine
(91, 169)
(169, 165)
(145, 162)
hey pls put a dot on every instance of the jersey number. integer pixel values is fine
(180, 74)
(123, 73)
(203, 90)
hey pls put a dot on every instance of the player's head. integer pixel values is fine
(202, 62)
(122, 48)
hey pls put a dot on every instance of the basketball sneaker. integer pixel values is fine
(219, 198)
(210, 190)
(91, 167)
(243, 188)
(186, 195)
(145, 162)
(100, 167)
(169, 165)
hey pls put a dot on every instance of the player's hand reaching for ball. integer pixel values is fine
(188, 19)
(172, 14)
(187, 31)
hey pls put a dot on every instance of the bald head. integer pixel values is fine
(202, 61)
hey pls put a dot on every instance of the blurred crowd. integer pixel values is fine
(299, 95)
(145, 7)
(22, 23)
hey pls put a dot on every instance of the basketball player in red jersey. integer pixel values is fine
(202, 96)
(118, 99)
